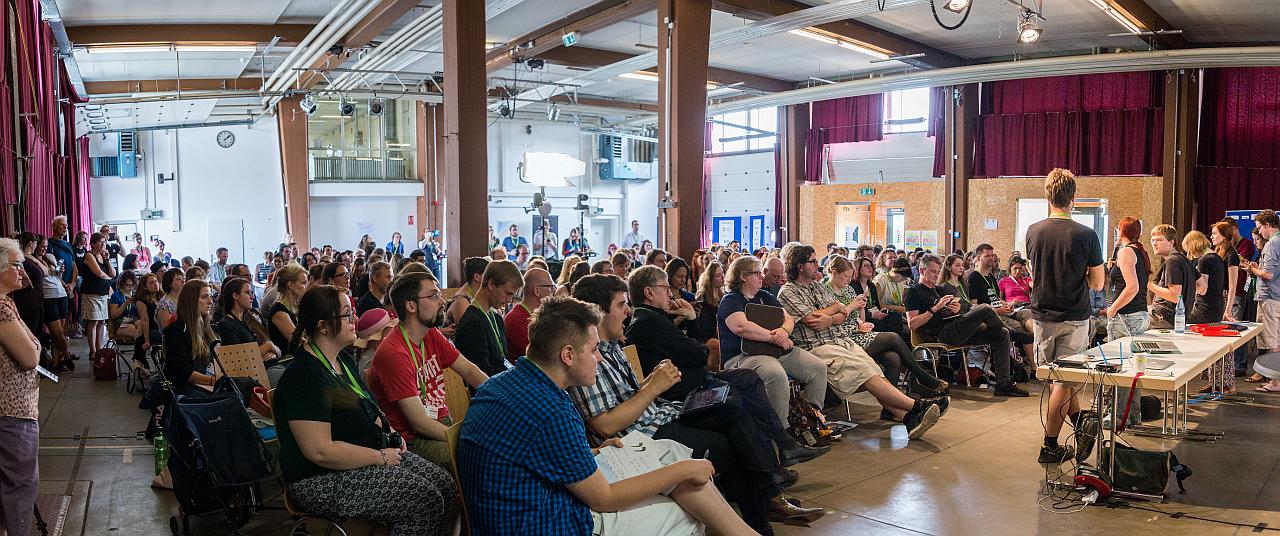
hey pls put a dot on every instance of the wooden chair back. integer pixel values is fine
(633, 357)
(242, 361)
(456, 395)
(451, 438)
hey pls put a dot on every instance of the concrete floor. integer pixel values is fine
(973, 473)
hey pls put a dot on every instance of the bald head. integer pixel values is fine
(537, 285)
(774, 271)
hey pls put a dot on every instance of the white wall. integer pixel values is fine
(243, 182)
(742, 186)
(896, 158)
(340, 221)
(621, 201)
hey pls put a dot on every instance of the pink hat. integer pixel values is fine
(371, 325)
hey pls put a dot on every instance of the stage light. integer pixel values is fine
(956, 6)
(1028, 30)
(307, 105)
(375, 107)
(346, 109)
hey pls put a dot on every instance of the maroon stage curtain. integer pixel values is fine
(1104, 124)
(1239, 155)
(841, 121)
(938, 128)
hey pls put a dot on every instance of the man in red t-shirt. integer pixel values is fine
(537, 285)
(406, 374)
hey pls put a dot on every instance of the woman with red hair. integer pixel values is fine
(1127, 275)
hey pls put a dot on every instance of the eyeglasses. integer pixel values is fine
(433, 296)
(350, 317)
(756, 272)
(340, 274)
(811, 261)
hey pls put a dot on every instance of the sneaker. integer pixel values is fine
(886, 415)
(1010, 389)
(1086, 434)
(920, 421)
(1055, 456)
(943, 403)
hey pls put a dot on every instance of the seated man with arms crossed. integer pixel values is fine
(618, 403)
(658, 339)
(525, 466)
(406, 374)
(821, 331)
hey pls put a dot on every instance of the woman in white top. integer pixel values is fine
(56, 306)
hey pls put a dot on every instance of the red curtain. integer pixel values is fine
(841, 121)
(938, 128)
(1103, 124)
(55, 164)
(1239, 152)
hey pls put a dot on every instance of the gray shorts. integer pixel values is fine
(1054, 340)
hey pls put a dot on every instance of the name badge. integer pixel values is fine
(433, 412)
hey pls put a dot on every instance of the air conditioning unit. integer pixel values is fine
(128, 154)
(624, 158)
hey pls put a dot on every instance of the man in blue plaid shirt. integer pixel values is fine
(525, 465)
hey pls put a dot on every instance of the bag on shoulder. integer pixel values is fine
(104, 362)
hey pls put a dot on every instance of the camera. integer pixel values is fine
(389, 440)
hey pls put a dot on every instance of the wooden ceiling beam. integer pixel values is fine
(106, 87)
(852, 30)
(187, 33)
(590, 58)
(1148, 19)
(599, 15)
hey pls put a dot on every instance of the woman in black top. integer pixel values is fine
(1211, 285)
(1127, 275)
(189, 341)
(240, 324)
(336, 456)
(883, 320)
(95, 285)
(291, 282)
(146, 299)
(1220, 234)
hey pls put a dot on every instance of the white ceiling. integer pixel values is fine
(146, 114)
(97, 66)
(1222, 21)
(101, 12)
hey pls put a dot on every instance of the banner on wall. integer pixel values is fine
(929, 240)
(913, 240)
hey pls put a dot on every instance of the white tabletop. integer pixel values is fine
(1198, 353)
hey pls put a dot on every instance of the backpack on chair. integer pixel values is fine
(805, 421)
(104, 362)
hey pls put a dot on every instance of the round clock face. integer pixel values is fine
(226, 139)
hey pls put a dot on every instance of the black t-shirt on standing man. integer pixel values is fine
(1061, 251)
(1176, 270)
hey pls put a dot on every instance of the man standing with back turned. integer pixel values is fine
(1067, 260)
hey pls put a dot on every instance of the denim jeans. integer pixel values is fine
(1124, 325)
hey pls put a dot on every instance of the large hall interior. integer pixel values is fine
(491, 267)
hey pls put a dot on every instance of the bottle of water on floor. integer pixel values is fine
(1180, 317)
(162, 451)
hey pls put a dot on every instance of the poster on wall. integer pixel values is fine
(929, 240)
(912, 241)
(727, 230)
(850, 222)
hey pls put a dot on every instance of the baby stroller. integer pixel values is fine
(216, 459)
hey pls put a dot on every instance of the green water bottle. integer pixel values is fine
(162, 451)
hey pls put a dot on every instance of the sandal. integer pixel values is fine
(1267, 389)
(1256, 378)
(1208, 388)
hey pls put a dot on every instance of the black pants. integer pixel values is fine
(981, 325)
(744, 459)
(892, 354)
(892, 323)
(747, 386)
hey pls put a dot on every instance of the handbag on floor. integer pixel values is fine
(104, 362)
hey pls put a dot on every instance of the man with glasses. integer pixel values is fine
(820, 327)
(537, 285)
(406, 375)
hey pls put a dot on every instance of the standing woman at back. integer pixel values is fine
(20, 400)
(189, 341)
(95, 286)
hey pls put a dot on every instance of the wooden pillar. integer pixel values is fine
(794, 123)
(684, 31)
(292, 124)
(466, 179)
(1181, 125)
(961, 124)
(431, 203)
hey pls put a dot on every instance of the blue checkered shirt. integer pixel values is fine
(521, 445)
(615, 384)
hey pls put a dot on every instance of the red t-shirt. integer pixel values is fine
(517, 324)
(392, 376)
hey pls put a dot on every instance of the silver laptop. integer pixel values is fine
(1153, 347)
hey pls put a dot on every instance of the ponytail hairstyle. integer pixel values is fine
(1131, 229)
(196, 322)
(1230, 236)
(319, 308)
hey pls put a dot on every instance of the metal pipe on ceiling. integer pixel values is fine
(404, 39)
(320, 28)
(49, 12)
(1157, 60)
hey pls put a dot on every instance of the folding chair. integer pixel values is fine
(451, 438)
(456, 396)
(936, 350)
(633, 357)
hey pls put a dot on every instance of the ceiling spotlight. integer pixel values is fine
(307, 105)
(956, 6)
(1028, 30)
(504, 110)
(375, 107)
(346, 109)
(553, 112)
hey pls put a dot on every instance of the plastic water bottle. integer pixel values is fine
(1180, 317)
(162, 451)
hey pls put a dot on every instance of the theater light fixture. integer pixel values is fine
(346, 109)
(956, 6)
(1028, 30)
(307, 105)
(375, 107)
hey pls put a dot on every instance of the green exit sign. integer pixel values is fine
(867, 191)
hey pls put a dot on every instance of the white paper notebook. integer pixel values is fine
(639, 454)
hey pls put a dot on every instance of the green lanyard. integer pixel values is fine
(413, 360)
(493, 328)
(346, 374)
